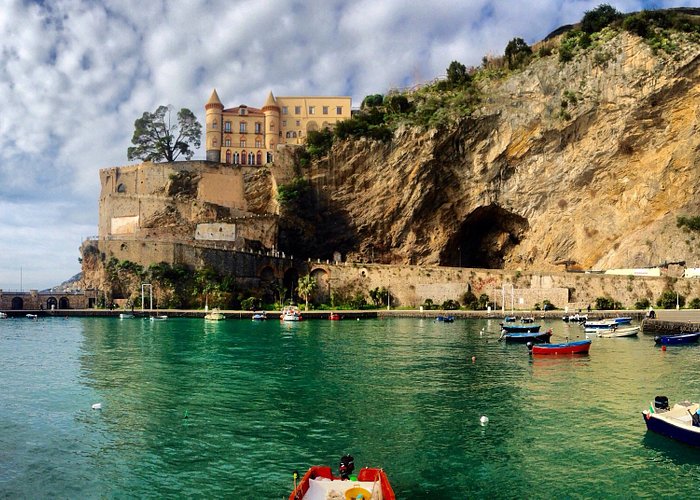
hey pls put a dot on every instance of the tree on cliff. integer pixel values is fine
(157, 138)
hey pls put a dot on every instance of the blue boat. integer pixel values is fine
(682, 422)
(519, 328)
(684, 338)
(509, 319)
(623, 320)
(445, 319)
(524, 337)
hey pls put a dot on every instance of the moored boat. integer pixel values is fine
(319, 483)
(291, 313)
(575, 318)
(334, 316)
(618, 332)
(160, 317)
(519, 328)
(623, 320)
(683, 338)
(214, 315)
(682, 422)
(259, 316)
(445, 319)
(598, 324)
(524, 337)
(576, 347)
(3, 315)
(509, 319)
(125, 315)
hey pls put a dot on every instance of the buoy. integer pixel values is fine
(358, 319)
(484, 420)
(473, 359)
(663, 347)
(97, 406)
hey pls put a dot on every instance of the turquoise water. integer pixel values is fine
(230, 409)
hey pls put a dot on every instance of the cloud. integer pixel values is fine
(75, 74)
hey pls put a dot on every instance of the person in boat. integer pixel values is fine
(696, 418)
(346, 466)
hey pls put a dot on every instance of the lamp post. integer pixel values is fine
(677, 305)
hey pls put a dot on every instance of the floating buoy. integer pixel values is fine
(97, 406)
(473, 359)
(358, 319)
(663, 347)
(484, 420)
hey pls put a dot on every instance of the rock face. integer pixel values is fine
(588, 162)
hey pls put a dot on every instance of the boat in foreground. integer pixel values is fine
(291, 313)
(682, 422)
(214, 315)
(319, 483)
(524, 337)
(577, 347)
(631, 331)
(683, 338)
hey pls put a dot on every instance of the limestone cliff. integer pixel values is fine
(589, 162)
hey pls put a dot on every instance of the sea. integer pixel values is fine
(195, 409)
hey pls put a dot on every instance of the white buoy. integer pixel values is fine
(97, 406)
(484, 420)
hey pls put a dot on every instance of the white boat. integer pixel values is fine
(630, 331)
(125, 316)
(32, 316)
(291, 313)
(603, 324)
(214, 315)
(161, 317)
(259, 316)
(3, 315)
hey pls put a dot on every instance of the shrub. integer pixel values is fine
(669, 299)
(643, 303)
(695, 303)
(397, 103)
(319, 142)
(692, 223)
(457, 75)
(450, 305)
(428, 304)
(607, 303)
(372, 101)
(517, 53)
(598, 18)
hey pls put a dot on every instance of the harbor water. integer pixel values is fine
(195, 409)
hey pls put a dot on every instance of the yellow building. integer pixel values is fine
(248, 136)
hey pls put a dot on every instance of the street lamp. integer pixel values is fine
(677, 306)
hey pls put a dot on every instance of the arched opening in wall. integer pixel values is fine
(51, 303)
(268, 285)
(17, 303)
(311, 127)
(63, 303)
(485, 237)
(121, 188)
(323, 286)
(290, 283)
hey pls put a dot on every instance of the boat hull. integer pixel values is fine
(619, 332)
(684, 433)
(578, 347)
(523, 338)
(520, 328)
(687, 338)
(366, 475)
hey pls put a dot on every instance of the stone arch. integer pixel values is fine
(323, 285)
(485, 238)
(63, 303)
(121, 188)
(51, 303)
(290, 281)
(311, 126)
(17, 303)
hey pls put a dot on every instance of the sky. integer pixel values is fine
(76, 74)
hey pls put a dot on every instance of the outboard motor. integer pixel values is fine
(347, 465)
(661, 403)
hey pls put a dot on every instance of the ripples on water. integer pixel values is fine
(194, 409)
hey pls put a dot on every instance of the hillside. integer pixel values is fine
(589, 162)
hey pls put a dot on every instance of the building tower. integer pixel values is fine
(272, 124)
(214, 125)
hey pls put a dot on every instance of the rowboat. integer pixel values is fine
(601, 323)
(623, 320)
(524, 337)
(618, 332)
(577, 347)
(684, 338)
(319, 483)
(519, 328)
(682, 422)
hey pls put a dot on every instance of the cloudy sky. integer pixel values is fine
(75, 74)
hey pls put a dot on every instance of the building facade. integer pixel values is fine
(244, 135)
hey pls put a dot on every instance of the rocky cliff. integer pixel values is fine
(588, 162)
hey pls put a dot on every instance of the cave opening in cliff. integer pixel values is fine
(484, 238)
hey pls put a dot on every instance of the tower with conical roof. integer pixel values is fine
(272, 122)
(214, 125)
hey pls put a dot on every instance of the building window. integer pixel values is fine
(214, 142)
(298, 123)
(242, 143)
(297, 110)
(272, 125)
(325, 110)
(241, 111)
(251, 158)
(227, 126)
(258, 159)
(285, 110)
(338, 110)
(312, 110)
(284, 123)
(236, 158)
(228, 143)
(228, 156)
(243, 158)
(258, 143)
(269, 157)
(214, 124)
(242, 127)
(258, 127)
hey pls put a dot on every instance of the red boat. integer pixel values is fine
(319, 483)
(578, 347)
(334, 317)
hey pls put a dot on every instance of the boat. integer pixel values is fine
(32, 316)
(683, 338)
(524, 337)
(576, 347)
(630, 331)
(527, 319)
(623, 320)
(575, 318)
(509, 319)
(3, 315)
(598, 324)
(682, 422)
(259, 316)
(519, 328)
(319, 483)
(334, 316)
(160, 317)
(445, 319)
(125, 316)
(291, 313)
(214, 315)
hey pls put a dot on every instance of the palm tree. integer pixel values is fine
(307, 285)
